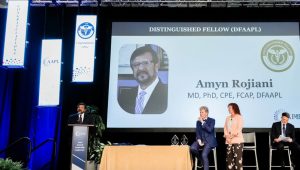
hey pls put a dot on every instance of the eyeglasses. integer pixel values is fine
(143, 63)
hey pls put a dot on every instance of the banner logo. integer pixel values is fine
(277, 114)
(277, 55)
(48, 61)
(85, 30)
(78, 133)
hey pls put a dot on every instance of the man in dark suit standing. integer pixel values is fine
(81, 117)
(150, 97)
(205, 137)
(283, 134)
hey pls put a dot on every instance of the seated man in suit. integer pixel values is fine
(82, 116)
(205, 137)
(150, 96)
(283, 134)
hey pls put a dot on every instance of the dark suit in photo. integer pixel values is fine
(289, 132)
(156, 104)
(206, 133)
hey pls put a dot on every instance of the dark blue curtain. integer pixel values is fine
(6, 87)
(44, 129)
(19, 114)
(6, 82)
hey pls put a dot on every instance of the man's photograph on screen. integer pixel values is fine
(143, 79)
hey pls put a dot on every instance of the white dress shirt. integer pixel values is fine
(82, 116)
(282, 129)
(148, 91)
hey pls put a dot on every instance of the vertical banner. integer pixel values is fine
(50, 72)
(84, 48)
(15, 35)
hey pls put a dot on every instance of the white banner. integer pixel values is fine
(15, 35)
(84, 48)
(50, 72)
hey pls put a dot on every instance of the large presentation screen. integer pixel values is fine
(162, 72)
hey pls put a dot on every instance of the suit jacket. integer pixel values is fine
(156, 104)
(88, 119)
(236, 128)
(206, 132)
(276, 131)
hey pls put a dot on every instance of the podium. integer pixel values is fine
(79, 146)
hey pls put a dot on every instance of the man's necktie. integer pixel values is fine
(283, 129)
(139, 103)
(80, 118)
